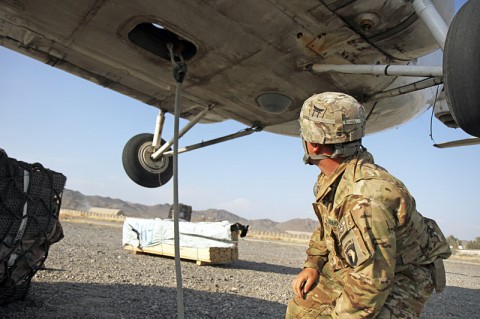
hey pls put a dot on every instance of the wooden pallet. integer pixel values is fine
(202, 256)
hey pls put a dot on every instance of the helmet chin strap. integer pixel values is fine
(347, 149)
(309, 158)
(341, 150)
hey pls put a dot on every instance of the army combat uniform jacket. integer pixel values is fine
(375, 253)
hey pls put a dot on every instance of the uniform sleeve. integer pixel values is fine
(317, 250)
(367, 236)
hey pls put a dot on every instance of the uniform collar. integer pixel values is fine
(325, 183)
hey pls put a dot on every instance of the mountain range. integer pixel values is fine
(77, 201)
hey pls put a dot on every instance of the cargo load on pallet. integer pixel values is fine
(30, 199)
(204, 242)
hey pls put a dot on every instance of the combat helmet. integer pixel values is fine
(332, 118)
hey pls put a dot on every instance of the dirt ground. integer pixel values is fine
(89, 275)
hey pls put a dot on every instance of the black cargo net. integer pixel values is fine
(30, 199)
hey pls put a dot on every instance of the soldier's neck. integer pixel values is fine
(329, 165)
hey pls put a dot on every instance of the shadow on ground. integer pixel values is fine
(261, 266)
(72, 300)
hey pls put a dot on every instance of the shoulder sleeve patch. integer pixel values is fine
(354, 248)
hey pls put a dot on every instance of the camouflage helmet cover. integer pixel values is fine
(332, 118)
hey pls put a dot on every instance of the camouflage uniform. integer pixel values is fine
(374, 252)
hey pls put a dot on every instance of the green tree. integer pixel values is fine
(474, 244)
(453, 241)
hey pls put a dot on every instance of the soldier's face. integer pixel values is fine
(316, 149)
(310, 149)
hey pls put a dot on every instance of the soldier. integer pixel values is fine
(373, 254)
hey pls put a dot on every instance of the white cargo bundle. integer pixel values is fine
(139, 232)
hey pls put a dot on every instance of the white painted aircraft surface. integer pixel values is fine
(257, 61)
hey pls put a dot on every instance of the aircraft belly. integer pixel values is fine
(243, 49)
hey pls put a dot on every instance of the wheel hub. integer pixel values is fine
(145, 159)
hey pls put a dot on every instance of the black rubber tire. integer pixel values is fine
(461, 67)
(140, 168)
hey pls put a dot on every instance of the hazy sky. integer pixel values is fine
(79, 129)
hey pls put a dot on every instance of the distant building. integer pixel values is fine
(107, 212)
(298, 233)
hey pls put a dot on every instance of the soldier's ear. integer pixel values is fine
(316, 148)
(325, 149)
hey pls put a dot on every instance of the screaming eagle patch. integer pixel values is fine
(351, 253)
(354, 249)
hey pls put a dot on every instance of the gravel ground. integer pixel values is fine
(89, 275)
